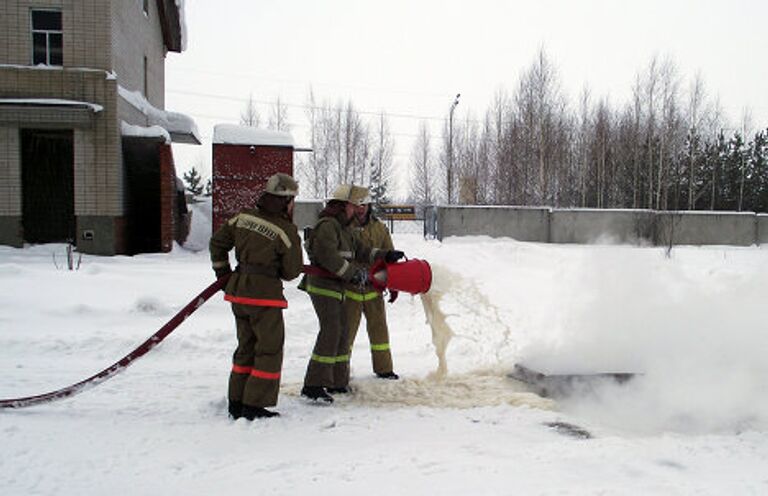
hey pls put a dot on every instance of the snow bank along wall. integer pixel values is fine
(547, 225)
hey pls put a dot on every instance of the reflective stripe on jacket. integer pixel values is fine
(269, 242)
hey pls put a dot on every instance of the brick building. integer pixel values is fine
(85, 150)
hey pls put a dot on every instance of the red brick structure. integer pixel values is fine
(171, 225)
(243, 159)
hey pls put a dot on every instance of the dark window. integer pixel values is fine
(146, 7)
(47, 37)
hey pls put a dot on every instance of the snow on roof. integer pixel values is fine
(174, 122)
(53, 102)
(144, 132)
(232, 134)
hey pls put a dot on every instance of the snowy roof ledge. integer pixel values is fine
(51, 102)
(152, 132)
(181, 127)
(232, 134)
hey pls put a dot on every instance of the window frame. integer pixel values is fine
(47, 33)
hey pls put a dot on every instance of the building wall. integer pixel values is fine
(99, 37)
(136, 35)
(84, 76)
(85, 24)
(98, 171)
(10, 172)
(10, 187)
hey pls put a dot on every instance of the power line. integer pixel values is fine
(251, 75)
(229, 119)
(301, 106)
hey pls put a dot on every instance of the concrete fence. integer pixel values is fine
(305, 213)
(548, 225)
(582, 225)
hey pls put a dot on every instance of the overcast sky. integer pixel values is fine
(410, 58)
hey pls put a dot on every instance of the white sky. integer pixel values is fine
(411, 57)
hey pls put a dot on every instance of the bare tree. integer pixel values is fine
(250, 115)
(541, 108)
(670, 136)
(746, 125)
(312, 167)
(582, 143)
(278, 116)
(696, 97)
(422, 173)
(383, 152)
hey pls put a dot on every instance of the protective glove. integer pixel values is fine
(222, 271)
(360, 277)
(393, 295)
(393, 256)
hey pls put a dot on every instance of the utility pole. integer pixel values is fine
(450, 148)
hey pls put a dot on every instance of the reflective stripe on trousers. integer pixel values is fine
(324, 292)
(330, 360)
(261, 374)
(361, 297)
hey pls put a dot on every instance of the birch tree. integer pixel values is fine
(422, 174)
(250, 115)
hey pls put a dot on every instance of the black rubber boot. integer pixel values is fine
(254, 412)
(316, 393)
(388, 375)
(339, 390)
(235, 409)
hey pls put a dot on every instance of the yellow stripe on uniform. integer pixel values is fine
(380, 347)
(261, 226)
(330, 360)
(324, 292)
(361, 297)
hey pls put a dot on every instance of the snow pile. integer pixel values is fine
(201, 223)
(692, 324)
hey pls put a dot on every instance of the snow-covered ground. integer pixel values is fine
(693, 324)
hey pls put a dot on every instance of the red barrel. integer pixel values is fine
(412, 276)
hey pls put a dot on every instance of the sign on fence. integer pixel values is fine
(397, 212)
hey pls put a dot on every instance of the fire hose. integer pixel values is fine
(124, 362)
(181, 316)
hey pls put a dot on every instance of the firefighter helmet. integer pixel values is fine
(282, 185)
(357, 195)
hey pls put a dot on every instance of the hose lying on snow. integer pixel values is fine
(121, 365)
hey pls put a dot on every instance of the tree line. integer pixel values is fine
(669, 148)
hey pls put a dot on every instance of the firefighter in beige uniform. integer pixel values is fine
(331, 247)
(367, 300)
(268, 251)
